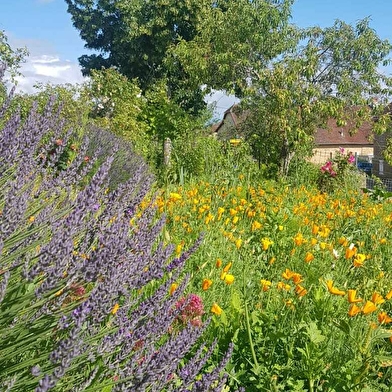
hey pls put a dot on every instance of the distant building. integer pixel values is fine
(327, 141)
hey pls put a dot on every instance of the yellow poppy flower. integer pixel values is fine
(227, 267)
(218, 263)
(352, 297)
(115, 308)
(301, 291)
(369, 307)
(333, 290)
(359, 259)
(287, 274)
(389, 295)
(256, 225)
(297, 278)
(283, 286)
(350, 251)
(216, 309)
(266, 243)
(229, 279)
(238, 243)
(265, 284)
(299, 239)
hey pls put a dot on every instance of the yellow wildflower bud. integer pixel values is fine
(309, 257)
(218, 263)
(115, 308)
(229, 279)
(227, 267)
(238, 243)
(173, 288)
(265, 284)
(389, 295)
(216, 309)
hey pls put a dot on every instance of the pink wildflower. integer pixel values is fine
(192, 311)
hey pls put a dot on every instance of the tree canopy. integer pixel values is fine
(140, 38)
(330, 72)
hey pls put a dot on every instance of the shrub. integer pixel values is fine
(84, 282)
(339, 173)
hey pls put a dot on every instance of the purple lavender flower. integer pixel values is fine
(91, 290)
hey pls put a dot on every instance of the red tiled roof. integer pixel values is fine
(335, 135)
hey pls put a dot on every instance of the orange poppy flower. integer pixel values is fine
(352, 297)
(377, 298)
(333, 290)
(206, 284)
(383, 318)
(354, 310)
(369, 307)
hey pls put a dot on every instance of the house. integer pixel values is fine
(381, 168)
(228, 127)
(327, 141)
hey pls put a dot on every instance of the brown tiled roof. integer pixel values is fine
(335, 135)
(214, 127)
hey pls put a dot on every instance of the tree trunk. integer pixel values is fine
(167, 148)
(286, 155)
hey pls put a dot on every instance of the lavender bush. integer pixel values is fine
(84, 294)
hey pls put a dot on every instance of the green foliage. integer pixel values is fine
(235, 39)
(219, 42)
(340, 173)
(330, 71)
(294, 334)
(11, 58)
(117, 106)
(303, 172)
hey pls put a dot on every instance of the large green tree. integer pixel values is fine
(223, 38)
(331, 72)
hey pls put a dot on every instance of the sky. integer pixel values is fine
(45, 28)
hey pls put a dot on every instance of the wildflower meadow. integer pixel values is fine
(145, 248)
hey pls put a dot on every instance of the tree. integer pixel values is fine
(10, 59)
(140, 38)
(333, 72)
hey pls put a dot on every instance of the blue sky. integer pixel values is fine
(45, 28)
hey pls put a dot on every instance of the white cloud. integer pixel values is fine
(47, 69)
